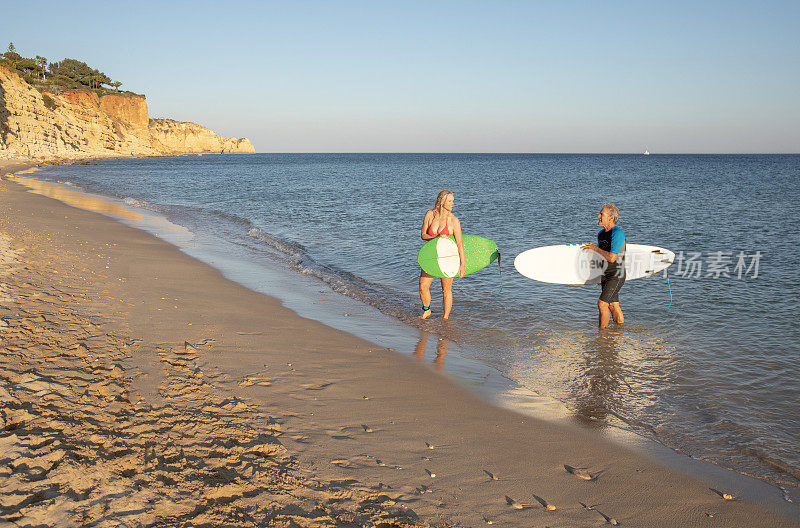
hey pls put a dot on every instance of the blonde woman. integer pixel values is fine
(440, 221)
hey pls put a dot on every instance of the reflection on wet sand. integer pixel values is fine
(75, 198)
(441, 350)
(98, 204)
(599, 376)
(615, 377)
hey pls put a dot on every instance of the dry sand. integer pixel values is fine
(139, 387)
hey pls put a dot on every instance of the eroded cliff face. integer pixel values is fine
(167, 135)
(132, 110)
(75, 125)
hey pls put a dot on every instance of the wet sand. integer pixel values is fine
(140, 387)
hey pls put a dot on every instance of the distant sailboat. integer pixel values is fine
(646, 152)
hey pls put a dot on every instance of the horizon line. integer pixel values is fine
(543, 153)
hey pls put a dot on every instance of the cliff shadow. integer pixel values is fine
(4, 115)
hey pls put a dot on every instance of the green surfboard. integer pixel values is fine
(439, 257)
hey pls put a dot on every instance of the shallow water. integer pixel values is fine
(713, 376)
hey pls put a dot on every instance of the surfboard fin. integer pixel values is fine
(500, 270)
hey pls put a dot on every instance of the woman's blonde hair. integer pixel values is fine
(441, 197)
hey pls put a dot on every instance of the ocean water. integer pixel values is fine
(708, 361)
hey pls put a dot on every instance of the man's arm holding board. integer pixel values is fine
(617, 245)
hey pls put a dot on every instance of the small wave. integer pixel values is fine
(235, 219)
(133, 202)
(386, 300)
(293, 250)
(778, 465)
(340, 281)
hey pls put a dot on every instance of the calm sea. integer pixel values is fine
(707, 363)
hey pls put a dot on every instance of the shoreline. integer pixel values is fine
(661, 498)
(301, 293)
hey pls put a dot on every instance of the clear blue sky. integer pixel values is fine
(490, 76)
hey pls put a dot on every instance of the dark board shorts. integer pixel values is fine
(611, 286)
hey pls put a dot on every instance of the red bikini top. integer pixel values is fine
(442, 232)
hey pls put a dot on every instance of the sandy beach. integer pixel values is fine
(139, 387)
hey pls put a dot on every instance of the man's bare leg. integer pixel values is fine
(616, 313)
(604, 314)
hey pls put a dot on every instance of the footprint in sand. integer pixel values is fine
(381, 463)
(582, 473)
(610, 520)
(546, 505)
(312, 387)
(255, 380)
(724, 495)
(514, 504)
(432, 446)
(356, 462)
(340, 434)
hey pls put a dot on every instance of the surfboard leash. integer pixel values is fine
(500, 269)
(666, 274)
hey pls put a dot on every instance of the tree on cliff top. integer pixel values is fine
(71, 74)
(28, 67)
(11, 55)
(41, 62)
(75, 73)
(74, 70)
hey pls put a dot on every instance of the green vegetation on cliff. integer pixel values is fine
(68, 74)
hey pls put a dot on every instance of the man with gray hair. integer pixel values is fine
(611, 246)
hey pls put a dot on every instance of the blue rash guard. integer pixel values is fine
(613, 241)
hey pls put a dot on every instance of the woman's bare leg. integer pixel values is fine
(425, 281)
(447, 296)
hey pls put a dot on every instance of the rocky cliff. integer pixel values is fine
(76, 125)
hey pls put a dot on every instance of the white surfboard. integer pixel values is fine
(569, 264)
